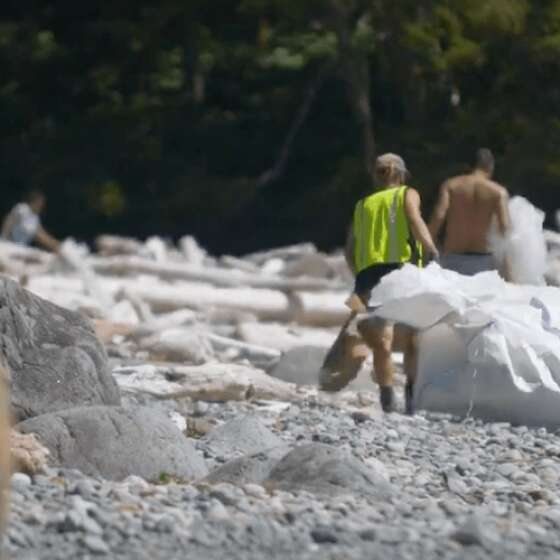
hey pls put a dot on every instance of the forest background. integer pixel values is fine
(252, 123)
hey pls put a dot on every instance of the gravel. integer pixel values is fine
(460, 489)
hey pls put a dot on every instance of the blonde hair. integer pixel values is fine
(388, 174)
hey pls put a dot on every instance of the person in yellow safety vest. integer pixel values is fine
(387, 231)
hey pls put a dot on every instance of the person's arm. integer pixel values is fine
(47, 240)
(502, 213)
(440, 211)
(7, 225)
(417, 224)
(349, 250)
(504, 223)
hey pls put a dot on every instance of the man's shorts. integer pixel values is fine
(468, 264)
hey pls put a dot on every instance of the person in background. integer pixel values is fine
(23, 224)
(387, 231)
(467, 206)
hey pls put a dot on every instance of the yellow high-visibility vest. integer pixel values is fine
(381, 232)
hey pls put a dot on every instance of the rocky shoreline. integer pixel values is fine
(438, 488)
(163, 417)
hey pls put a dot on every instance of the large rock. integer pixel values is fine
(113, 443)
(300, 365)
(251, 469)
(243, 435)
(326, 470)
(55, 359)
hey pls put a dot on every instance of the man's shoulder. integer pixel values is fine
(457, 181)
(500, 189)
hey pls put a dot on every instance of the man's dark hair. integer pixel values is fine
(484, 160)
(34, 196)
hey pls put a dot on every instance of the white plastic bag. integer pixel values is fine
(486, 348)
(524, 246)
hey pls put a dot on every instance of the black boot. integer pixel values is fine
(409, 398)
(387, 399)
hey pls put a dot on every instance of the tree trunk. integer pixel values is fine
(276, 171)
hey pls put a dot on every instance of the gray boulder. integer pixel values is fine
(113, 443)
(251, 469)
(300, 365)
(326, 470)
(243, 435)
(55, 359)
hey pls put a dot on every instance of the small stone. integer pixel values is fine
(360, 417)
(20, 481)
(85, 488)
(396, 447)
(475, 531)
(217, 512)
(368, 535)
(200, 408)
(323, 535)
(255, 491)
(96, 545)
(225, 493)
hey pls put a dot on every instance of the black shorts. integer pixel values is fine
(368, 278)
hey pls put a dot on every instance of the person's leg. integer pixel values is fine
(410, 351)
(379, 337)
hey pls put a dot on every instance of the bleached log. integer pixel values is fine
(110, 245)
(210, 382)
(265, 304)
(156, 249)
(18, 260)
(227, 261)
(252, 352)
(192, 251)
(315, 265)
(131, 266)
(289, 252)
(141, 308)
(165, 321)
(321, 309)
(179, 345)
(72, 254)
(284, 337)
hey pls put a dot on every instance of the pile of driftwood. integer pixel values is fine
(156, 301)
(292, 284)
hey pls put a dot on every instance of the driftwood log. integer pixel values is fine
(133, 266)
(211, 382)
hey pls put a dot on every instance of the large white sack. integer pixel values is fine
(486, 348)
(524, 246)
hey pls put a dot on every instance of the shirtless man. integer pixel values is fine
(468, 204)
(23, 224)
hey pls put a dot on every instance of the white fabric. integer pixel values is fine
(25, 225)
(486, 348)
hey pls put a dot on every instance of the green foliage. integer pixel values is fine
(161, 121)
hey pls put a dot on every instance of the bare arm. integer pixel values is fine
(7, 225)
(440, 211)
(502, 213)
(349, 250)
(417, 224)
(504, 222)
(47, 240)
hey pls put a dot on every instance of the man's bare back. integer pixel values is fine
(468, 204)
